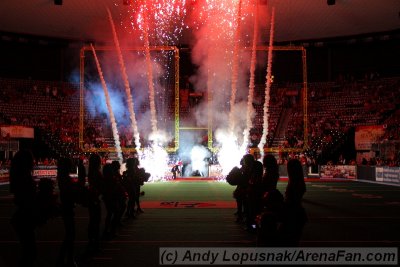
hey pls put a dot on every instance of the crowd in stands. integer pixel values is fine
(333, 109)
(336, 107)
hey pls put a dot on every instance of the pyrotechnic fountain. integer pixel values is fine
(131, 109)
(164, 14)
(110, 110)
(268, 84)
(235, 66)
(218, 56)
(250, 98)
(149, 70)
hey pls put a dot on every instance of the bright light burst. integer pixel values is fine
(230, 152)
(198, 156)
(165, 19)
(219, 16)
(154, 159)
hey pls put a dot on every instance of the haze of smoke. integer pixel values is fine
(109, 107)
(212, 52)
(126, 83)
(268, 84)
(250, 110)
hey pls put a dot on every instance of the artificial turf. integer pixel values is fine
(200, 214)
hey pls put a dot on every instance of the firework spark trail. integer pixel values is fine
(268, 84)
(110, 111)
(246, 131)
(235, 66)
(149, 70)
(126, 84)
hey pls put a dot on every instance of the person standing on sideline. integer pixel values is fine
(270, 218)
(95, 179)
(23, 186)
(109, 200)
(68, 192)
(240, 177)
(294, 215)
(120, 194)
(128, 179)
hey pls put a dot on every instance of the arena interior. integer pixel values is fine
(188, 88)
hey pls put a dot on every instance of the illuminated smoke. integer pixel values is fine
(250, 98)
(149, 72)
(268, 84)
(158, 23)
(199, 156)
(155, 158)
(229, 154)
(219, 26)
(167, 18)
(126, 84)
(222, 70)
(110, 111)
(235, 66)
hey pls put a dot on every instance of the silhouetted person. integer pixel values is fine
(254, 194)
(270, 219)
(175, 170)
(110, 201)
(82, 194)
(95, 179)
(68, 191)
(23, 187)
(271, 173)
(47, 201)
(81, 173)
(272, 205)
(142, 176)
(120, 194)
(240, 177)
(294, 215)
(130, 180)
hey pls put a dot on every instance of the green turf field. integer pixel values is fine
(340, 213)
(200, 214)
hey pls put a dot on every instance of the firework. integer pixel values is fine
(250, 98)
(126, 84)
(268, 84)
(109, 107)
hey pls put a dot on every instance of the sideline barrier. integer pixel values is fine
(4, 176)
(338, 171)
(388, 174)
(40, 172)
(380, 174)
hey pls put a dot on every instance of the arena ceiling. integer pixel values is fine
(294, 19)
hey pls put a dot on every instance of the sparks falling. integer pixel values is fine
(149, 72)
(108, 103)
(217, 42)
(250, 98)
(121, 62)
(166, 16)
(235, 66)
(155, 158)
